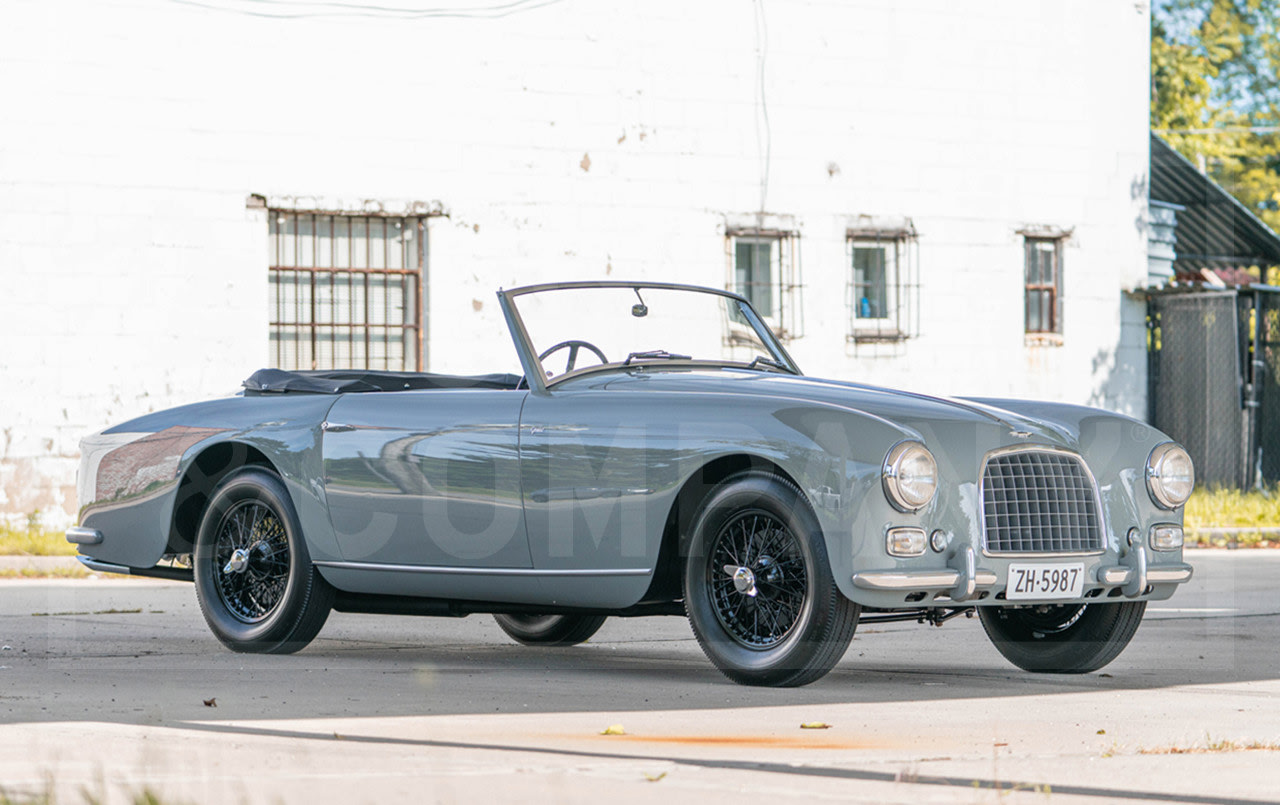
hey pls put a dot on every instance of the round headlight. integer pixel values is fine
(1170, 475)
(910, 476)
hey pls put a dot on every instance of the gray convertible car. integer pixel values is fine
(660, 453)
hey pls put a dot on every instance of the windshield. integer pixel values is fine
(577, 328)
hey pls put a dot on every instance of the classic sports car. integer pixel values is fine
(661, 454)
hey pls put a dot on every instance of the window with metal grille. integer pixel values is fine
(1044, 285)
(881, 284)
(763, 267)
(755, 271)
(346, 291)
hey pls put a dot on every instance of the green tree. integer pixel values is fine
(1215, 93)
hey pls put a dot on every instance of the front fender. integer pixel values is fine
(131, 476)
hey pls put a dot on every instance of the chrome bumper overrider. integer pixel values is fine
(77, 535)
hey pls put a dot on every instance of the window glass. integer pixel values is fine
(1043, 272)
(871, 269)
(753, 272)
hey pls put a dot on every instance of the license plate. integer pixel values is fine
(1044, 581)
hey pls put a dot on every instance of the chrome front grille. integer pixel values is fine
(1039, 501)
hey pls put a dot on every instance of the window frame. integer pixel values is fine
(360, 334)
(900, 285)
(785, 317)
(1032, 247)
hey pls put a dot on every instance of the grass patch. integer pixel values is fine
(1214, 746)
(33, 539)
(1233, 508)
(77, 572)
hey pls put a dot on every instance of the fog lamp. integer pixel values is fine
(1166, 537)
(905, 542)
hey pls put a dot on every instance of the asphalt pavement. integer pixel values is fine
(114, 687)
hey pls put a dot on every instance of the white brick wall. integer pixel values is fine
(134, 277)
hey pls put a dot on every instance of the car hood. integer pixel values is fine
(944, 418)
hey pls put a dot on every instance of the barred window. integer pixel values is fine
(764, 268)
(756, 270)
(346, 291)
(882, 285)
(1044, 285)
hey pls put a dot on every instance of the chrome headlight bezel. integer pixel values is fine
(902, 455)
(1158, 473)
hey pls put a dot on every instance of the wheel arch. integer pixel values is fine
(202, 476)
(677, 531)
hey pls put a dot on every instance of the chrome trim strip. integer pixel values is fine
(919, 579)
(1169, 574)
(1113, 575)
(78, 535)
(483, 571)
(103, 567)
(1036, 448)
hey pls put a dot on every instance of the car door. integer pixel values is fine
(427, 478)
(599, 475)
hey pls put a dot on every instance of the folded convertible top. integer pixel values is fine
(339, 381)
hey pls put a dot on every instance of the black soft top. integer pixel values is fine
(345, 381)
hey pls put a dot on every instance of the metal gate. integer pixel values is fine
(1265, 381)
(1214, 377)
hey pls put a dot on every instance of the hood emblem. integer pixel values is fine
(1020, 434)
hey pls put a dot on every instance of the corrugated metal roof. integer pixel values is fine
(1215, 230)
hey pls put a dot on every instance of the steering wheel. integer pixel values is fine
(573, 345)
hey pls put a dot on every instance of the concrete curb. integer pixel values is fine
(42, 564)
(1235, 532)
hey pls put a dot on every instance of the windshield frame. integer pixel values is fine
(535, 374)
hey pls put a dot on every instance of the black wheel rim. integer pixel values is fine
(758, 580)
(1050, 619)
(251, 561)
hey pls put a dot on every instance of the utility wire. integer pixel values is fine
(287, 9)
(764, 134)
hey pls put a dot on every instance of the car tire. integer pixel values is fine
(254, 579)
(758, 587)
(1062, 639)
(550, 630)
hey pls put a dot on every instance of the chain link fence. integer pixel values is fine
(1265, 378)
(1214, 378)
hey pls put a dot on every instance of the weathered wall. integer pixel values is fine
(575, 140)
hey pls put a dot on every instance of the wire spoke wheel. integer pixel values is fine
(758, 587)
(251, 561)
(757, 578)
(257, 587)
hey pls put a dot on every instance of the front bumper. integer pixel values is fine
(964, 581)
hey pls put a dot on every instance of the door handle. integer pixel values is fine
(334, 427)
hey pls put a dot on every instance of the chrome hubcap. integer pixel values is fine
(744, 581)
(238, 563)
